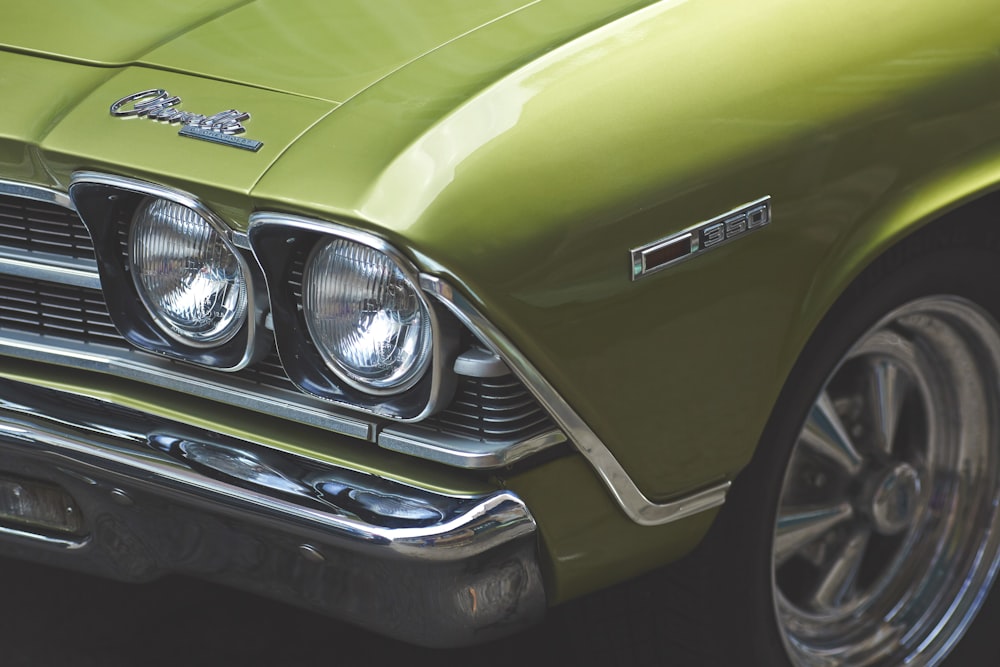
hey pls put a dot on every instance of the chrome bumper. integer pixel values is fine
(161, 497)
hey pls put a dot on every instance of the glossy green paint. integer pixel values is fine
(107, 32)
(530, 192)
(328, 50)
(344, 159)
(44, 92)
(63, 125)
(522, 160)
(313, 48)
(588, 543)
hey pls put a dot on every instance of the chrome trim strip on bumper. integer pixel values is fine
(635, 504)
(203, 504)
(144, 367)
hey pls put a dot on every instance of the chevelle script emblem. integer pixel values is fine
(158, 104)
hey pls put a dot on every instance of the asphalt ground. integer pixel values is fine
(54, 618)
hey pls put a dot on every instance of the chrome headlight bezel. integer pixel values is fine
(282, 244)
(107, 205)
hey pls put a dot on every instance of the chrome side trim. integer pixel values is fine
(635, 504)
(50, 268)
(254, 309)
(36, 193)
(467, 453)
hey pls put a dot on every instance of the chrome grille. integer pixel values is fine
(33, 226)
(80, 315)
(47, 309)
(267, 372)
(496, 410)
(491, 409)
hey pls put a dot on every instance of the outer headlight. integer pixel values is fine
(186, 275)
(365, 317)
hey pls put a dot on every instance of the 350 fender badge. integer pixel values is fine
(722, 229)
(158, 104)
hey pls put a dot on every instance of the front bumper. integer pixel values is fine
(158, 496)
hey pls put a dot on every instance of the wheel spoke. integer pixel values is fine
(842, 571)
(888, 387)
(797, 527)
(825, 434)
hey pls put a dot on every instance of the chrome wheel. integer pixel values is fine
(886, 540)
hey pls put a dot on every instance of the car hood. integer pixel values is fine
(383, 73)
(310, 48)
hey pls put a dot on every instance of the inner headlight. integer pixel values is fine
(186, 275)
(365, 317)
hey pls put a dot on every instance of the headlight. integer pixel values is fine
(186, 275)
(365, 317)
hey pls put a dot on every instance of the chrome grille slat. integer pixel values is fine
(44, 307)
(493, 409)
(38, 226)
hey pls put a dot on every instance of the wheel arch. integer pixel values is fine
(966, 194)
(953, 214)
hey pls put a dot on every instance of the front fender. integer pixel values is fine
(527, 188)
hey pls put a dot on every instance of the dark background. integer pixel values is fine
(57, 618)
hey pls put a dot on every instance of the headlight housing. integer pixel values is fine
(174, 279)
(187, 277)
(351, 323)
(367, 320)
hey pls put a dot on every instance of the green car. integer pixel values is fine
(433, 314)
